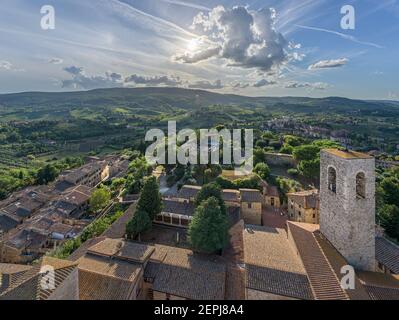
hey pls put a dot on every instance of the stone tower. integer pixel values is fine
(347, 205)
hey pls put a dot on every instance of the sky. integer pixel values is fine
(252, 47)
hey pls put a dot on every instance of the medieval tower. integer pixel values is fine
(347, 205)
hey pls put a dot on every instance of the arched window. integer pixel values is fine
(332, 180)
(360, 185)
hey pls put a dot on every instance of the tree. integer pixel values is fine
(306, 152)
(208, 231)
(292, 141)
(389, 219)
(141, 222)
(310, 168)
(390, 187)
(99, 199)
(259, 156)
(287, 149)
(210, 190)
(224, 183)
(150, 199)
(263, 170)
(47, 174)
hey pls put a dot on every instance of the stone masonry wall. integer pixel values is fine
(346, 221)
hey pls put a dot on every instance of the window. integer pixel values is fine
(361, 186)
(249, 205)
(332, 180)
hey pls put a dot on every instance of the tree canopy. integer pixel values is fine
(140, 222)
(208, 191)
(208, 231)
(47, 174)
(150, 199)
(99, 199)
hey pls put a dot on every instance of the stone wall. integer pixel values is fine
(280, 159)
(347, 221)
(252, 215)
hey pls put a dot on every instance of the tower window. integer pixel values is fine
(332, 180)
(360, 185)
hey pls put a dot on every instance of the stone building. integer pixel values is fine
(271, 195)
(90, 174)
(347, 205)
(304, 206)
(251, 206)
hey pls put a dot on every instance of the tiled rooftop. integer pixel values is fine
(272, 265)
(187, 192)
(129, 251)
(250, 195)
(186, 274)
(28, 285)
(387, 253)
(174, 206)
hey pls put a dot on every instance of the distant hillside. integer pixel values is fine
(154, 101)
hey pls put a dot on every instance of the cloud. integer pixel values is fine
(81, 81)
(194, 57)
(263, 83)
(56, 61)
(239, 85)
(243, 37)
(5, 65)
(8, 66)
(156, 80)
(74, 70)
(327, 64)
(206, 85)
(309, 85)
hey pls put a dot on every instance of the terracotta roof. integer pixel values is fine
(272, 265)
(337, 261)
(95, 286)
(349, 155)
(27, 238)
(187, 192)
(231, 195)
(7, 223)
(186, 274)
(28, 285)
(272, 191)
(121, 249)
(174, 206)
(109, 267)
(378, 293)
(250, 195)
(323, 280)
(380, 286)
(387, 253)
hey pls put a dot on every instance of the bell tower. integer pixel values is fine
(347, 205)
